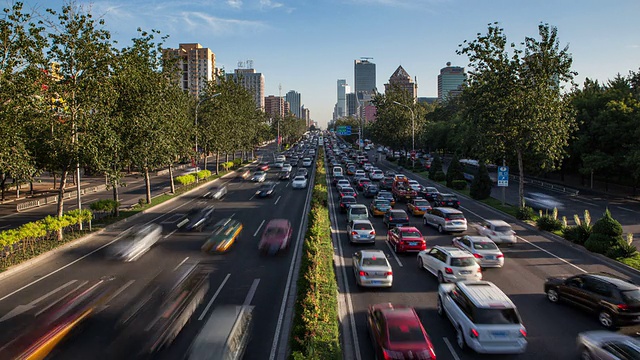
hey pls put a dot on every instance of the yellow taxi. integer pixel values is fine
(418, 206)
(224, 234)
(379, 206)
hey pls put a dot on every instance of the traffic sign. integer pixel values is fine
(503, 176)
(344, 130)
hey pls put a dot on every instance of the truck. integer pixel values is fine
(402, 191)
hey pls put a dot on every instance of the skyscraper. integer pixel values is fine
(252, 81)
(341, 105)
(450, 82)
(195, 65)
(352, 104)
(274, 106)
(400, 79)
(364, 77)
(294, 99)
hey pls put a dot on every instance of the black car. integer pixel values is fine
(614, 300)
(393, 218)
(196, 219)
(266, 189)
(445, 200)
(361, 183)
(345, 202)
(386, 183)
(284, 175)
(293, 161)
(429, 193)
(371, 190)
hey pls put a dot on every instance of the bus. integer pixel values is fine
(471, 167)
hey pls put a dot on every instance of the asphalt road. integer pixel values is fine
(240, 276)
(551, 328)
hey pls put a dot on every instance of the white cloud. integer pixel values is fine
(219, 26)
(236, 4)
(268, 4)
(633, 46)
(401, 3)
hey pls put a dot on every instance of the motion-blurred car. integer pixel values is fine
(406, 238)
(263, 166)
(196, 219)
(418, 206)
(346, 202)
(482, 248)
(542, 201)
(216, 192)
(259, 176)
(287, 167)
(276, 237)
(302, 172)
(372, 269)
(397, 333)
(395, 218)
(379, 207)
(284, 175)
(266, 189)
(299, 182)
(607, 345)
(223, 235)
(361, 231)
(135, 243)
(244, 173)
(499, 231)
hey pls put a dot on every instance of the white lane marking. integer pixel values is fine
(252, 196)
(232, 215)
(60, 298)
(171, 233)
(120, 290)
(24, 308)
(252, 292)
(625, 209)
(276, 337)
(278, 199)
(584, 202)
(258, 229)
(206, 309)
(181, 262)
(288, 182)
(535, 246)
(395, 256)
(453, 352)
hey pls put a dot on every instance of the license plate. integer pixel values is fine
(376, 282)
(465, 272)
(457, 223)
(499, 333)
(490, 257)
(413, 243)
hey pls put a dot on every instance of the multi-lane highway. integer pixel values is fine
(238, 277)
(551, 328)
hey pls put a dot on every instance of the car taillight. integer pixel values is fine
(477, 256)
(372, 233)
(390, 217)
(388, 273)
(623, 307)
(500, 256)
(523, 332)
(447, 219)
(457, 202)
(363, 273)
(448, 270)
(474, 333)
(354, 233)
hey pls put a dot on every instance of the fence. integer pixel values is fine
(54, 199)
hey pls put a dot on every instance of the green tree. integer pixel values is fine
(454, 171)
(513, 98)
(481, 185)
(436, 166)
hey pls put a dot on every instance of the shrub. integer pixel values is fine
(548, 223)
(459, 184)
(481, 185)
(186, 179)
(237, 162)
(577, 234)
(203, 174)
(599, 243)
(605, 234)
(455, 171)
(525, 213)
(607, 225)
(436, 166)
(105, 205)
(439, 176)
(622, 249)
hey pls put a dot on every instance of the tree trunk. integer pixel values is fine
(253, 155)
(31, 187)
(520, 180)
(17, 184)
(115, 185)
(2, 185)
(173, 185)
(226, 157)
(60, 204)
(147, 183)
(217, 162)
(233, 156)
(206, 156)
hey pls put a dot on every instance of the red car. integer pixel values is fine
(406, 238)
(276, 237)
(264, 166)
(397, 333)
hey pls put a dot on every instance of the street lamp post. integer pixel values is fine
(196, 126)
(413, 132)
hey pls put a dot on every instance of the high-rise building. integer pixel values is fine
(400, 79)
(274, 106)
(341, 105)
(294, 99)
(352, 104)
(450, 82)
(252, 81)
(364, 77)
(306, 116)
(196, 65)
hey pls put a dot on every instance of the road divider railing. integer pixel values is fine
(316, 327)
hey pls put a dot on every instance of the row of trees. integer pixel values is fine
(69, 98)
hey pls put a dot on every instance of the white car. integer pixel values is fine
(372, 269)
(361, 231)
(342, 183)
(278, 164)
(287, 167)
(359, 173)
(485, 251)
(499, 231)
(259, 176)
(415, 185)
(306, 162)
(449, 264)
(299, 182)
(135, 243)
(376, 175)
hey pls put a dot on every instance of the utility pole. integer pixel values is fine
(281, 100)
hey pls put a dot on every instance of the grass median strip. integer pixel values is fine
(316, 328)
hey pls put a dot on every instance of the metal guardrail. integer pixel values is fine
(549, 186)
(54, 199)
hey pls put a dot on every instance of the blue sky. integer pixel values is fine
(306, 45)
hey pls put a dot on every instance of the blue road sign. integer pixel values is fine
(344, 130)
(503, 176)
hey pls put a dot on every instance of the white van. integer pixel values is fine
(225, 335)
(337, 171)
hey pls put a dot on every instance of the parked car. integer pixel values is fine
(485, 251)
(499, 231)
(361, 231)
(397, 333)
(607, 345)
(615, 301)
(276, 237)
(445, 200)
(372, 269)
(216, 192)
(395, 218)
(223, 235)
(484, 318)
(445, 219)
(449, 264)
(406, 238)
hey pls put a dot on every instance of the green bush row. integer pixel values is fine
(316, 327)
(104, 205)
(33, 231)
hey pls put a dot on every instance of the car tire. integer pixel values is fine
(440, 307)
(606, 319)
(440, 229)
(424, 221)
(585, 354)
(395, 248)
(553, 296)
(462, 343)
(440, 278)
(420, 263)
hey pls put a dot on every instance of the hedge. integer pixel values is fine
(186, 179)
(316, 326)
(105, 205)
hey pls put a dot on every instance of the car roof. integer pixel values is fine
(400, 313)
(357, 206)
(449, 210)
(372, 253)
(485, 294)
(453, 251)
(478, 238)
(360, 221)
(278, 223)
(348, 198)
(407, 228)
(620, 283)
(398, 211)
(497, 222)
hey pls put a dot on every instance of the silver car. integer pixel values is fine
(607, 345)
(499, 231)
(445, 219)
(361, 231)
(485, 251)
(259, 176)
(372, 269)
(216, 192)
(135, 243)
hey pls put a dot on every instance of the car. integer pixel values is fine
(405, 239)
(351, 170)
(397, 333)
(287, 167)
(390, 173)
(347, 191)
(386, 183)
(445, 200)
(543, 201)
(357, 212)
(615, 301)
(278, 164)
(342, 183)
(370, 191)
(445, 219)
(223, 235)
(386, 196)
(196, 219)
(607, 345)
(284, 175)
(302, 172)
(361, 231)
(379, 207)
(266, 189)
(372, 269)
(259, 176)
(346, 202)
(376, 175)
(361, 183)
(499, 231)
(135, 243)
(418, 206)
(430, 193)
(281, 158)
(306, 162)
(484, 318)
(293, 161)
(395, 218)
(244, 174)
(276, 237)
(191, 170)
(485, 251)
(299, 182)
(359, 173)
(337, 178)
(449, 264)
(264, 166)
(413, 184)
(216, 192)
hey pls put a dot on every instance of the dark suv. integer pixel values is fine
(445, 200)
(615, 300)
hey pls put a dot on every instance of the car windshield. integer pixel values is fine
(274, 231)
(463, 262)
(421, 203)
(431, 190)
(631, 297)
(503, 229)
(400, 333)
(374, 261)
(383, 203)
(397, 214)
(372, 188)
(411, 234)
(449, 198)
(495, 316)
(358, 210)
(484, 246)
(362, 226)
